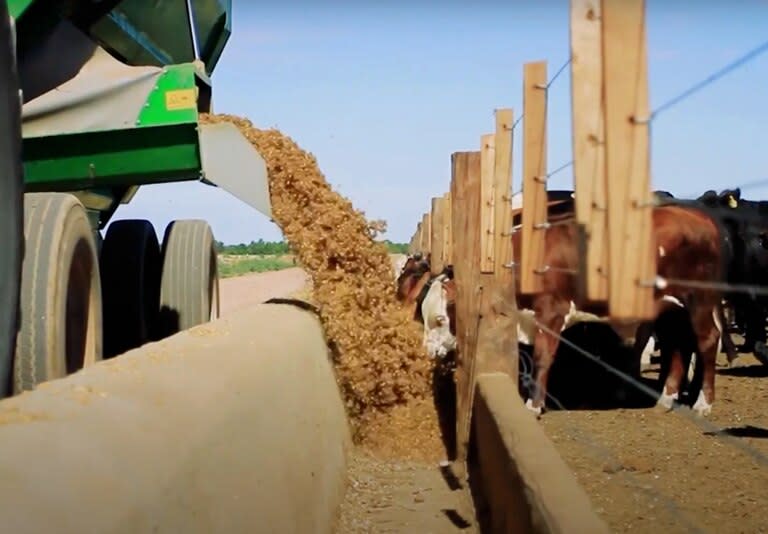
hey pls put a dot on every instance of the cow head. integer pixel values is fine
(710, 198)
(413, 270)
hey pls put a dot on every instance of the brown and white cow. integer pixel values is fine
(438, 315)
(433, 299)
(689, 249)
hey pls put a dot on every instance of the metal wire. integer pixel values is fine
(558, 73)
(746, 58)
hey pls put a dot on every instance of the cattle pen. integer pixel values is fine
(645, 463)
(310, 405)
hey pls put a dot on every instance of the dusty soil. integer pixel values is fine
(401, 496)
(248, 290)
(649, 471)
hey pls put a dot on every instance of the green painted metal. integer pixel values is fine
(174, 98)
(139, 32)
(159, 33)
(164, 144)
(17, 7)
(113, 158)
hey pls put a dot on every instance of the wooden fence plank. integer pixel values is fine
(447, 217)
(534, 175)
(437, 241)
(588, 108)
(502, 176)
(487, 198)
(631, 244)
(465, 192)
(425, 234)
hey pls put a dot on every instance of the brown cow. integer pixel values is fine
(688, 249)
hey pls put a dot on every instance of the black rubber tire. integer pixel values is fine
(11, 203)
(130, 282)
(61, 312)
(189, 286)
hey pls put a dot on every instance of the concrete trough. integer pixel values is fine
(525, 483)
(232, 426)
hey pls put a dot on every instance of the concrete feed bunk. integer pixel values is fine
(232, 426)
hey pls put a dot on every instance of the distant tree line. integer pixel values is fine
(254, 248)
(264, 248)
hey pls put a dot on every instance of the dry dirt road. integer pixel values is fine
(248, 290)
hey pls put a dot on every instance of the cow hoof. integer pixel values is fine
(702, 407)
(536, 410)
(666, 402)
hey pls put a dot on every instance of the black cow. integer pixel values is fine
(747, 223)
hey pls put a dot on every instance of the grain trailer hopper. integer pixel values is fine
(112, 91)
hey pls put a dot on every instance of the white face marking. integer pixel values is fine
(662, 252)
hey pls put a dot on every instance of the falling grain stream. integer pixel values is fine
(395, 483)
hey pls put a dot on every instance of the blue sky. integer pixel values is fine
(383, 95)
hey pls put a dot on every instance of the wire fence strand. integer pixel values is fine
(730, 67)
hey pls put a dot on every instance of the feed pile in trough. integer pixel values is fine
(380, 362)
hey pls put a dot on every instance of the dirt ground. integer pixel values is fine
(401, 496)
(248, 290)
(389, 490)
(649, 471)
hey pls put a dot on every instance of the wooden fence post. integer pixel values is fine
(465, 192)
(448, 233)
(504, 273)
(437, 241)
(631, 243)
(425, 234)
(417, 238)
(496, 330)
(487, 199)
(588, 119)
(534, 175)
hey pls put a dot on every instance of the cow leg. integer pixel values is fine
(707, 334)
(676, 338)
(674, 376)
(550, 313)
(644, 343)
(726, 342)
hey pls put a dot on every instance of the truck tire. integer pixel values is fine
(130, 281)
(189, 287)
(61, 314)
(11, 202)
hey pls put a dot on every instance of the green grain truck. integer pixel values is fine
(111, 93)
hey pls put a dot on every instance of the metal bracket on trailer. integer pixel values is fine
(229, 161)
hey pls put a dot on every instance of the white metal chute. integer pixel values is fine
(229, 161)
